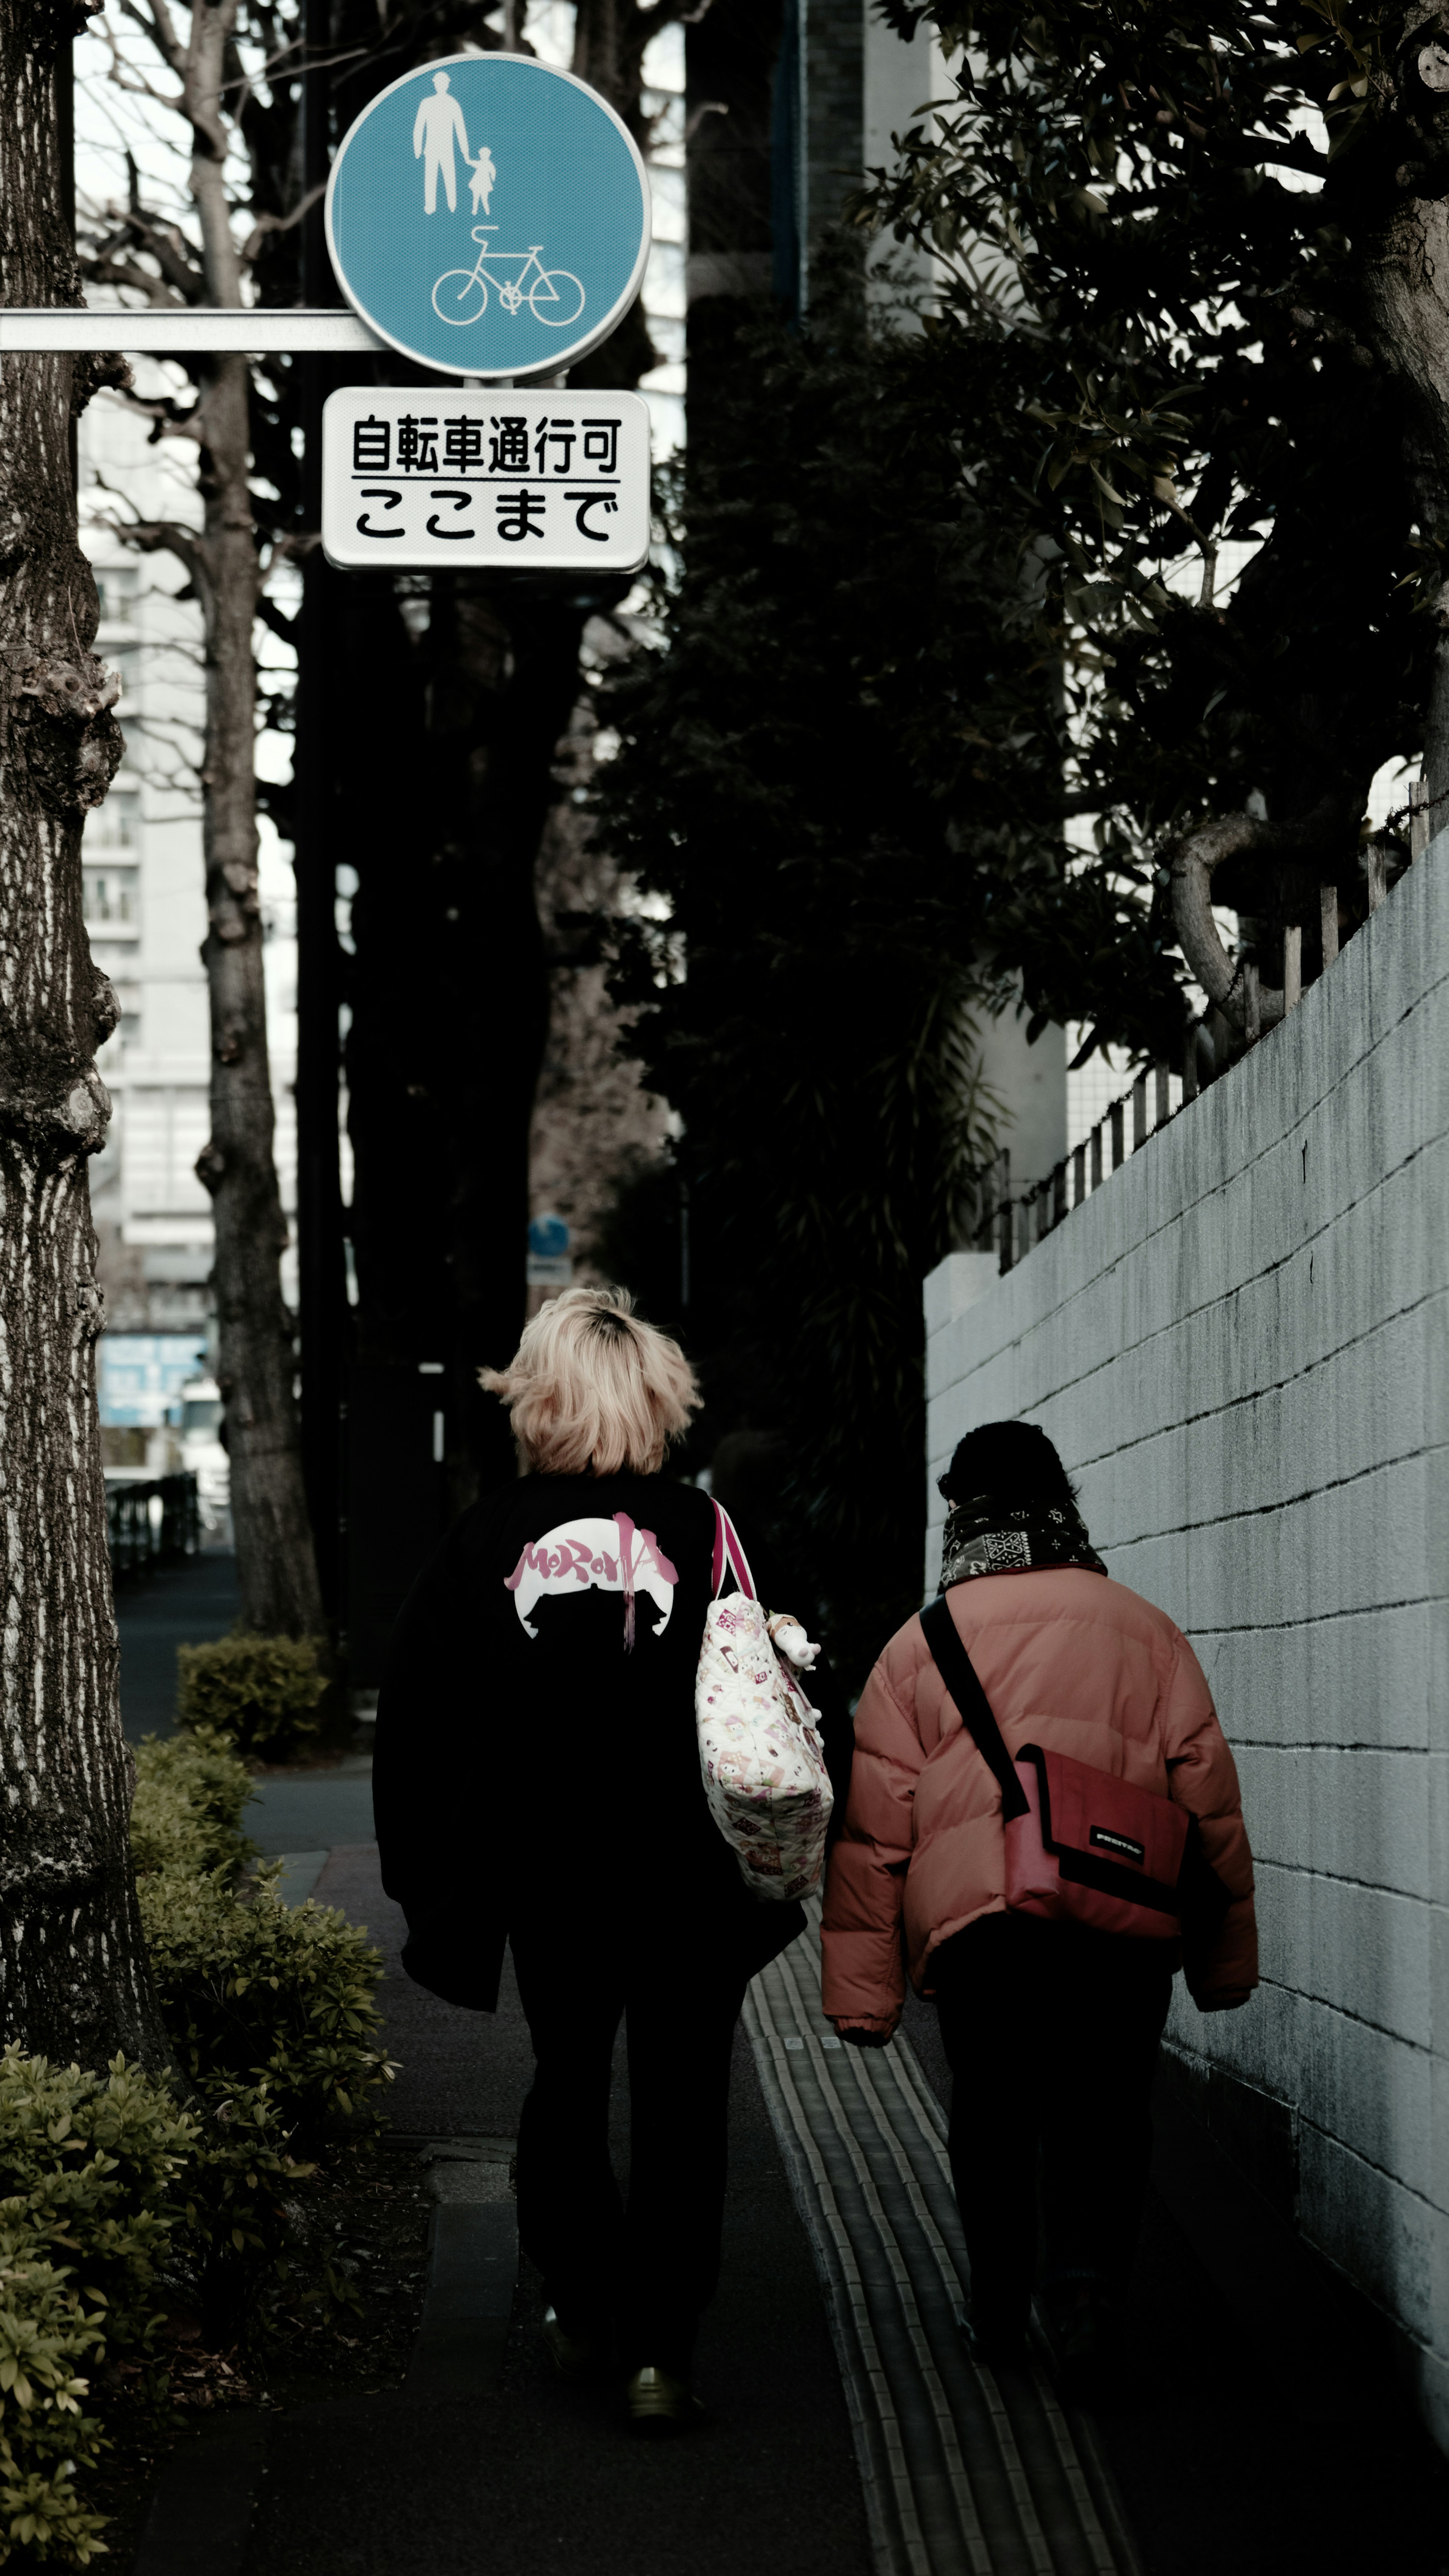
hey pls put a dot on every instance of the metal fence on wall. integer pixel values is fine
(1011, 1225)
(150, 1521)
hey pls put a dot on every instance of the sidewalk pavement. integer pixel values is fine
(538, 2477)
(181, 1605)
(1225, 2458)
(1238, 2451)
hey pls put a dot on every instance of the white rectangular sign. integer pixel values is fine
(547, 482)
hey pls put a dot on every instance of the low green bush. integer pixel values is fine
(46, 2438)
(87, 2165)
(186, 1814)
(264, 1692)
(120, 2201)
(89, 2173)
(254, 1992)
(258, 1992)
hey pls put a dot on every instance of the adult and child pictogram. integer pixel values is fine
(489, 216)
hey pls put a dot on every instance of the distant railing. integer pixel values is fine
(150, 1520)
(1010, 1226)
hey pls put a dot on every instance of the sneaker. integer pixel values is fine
(574, 2356)
(661, 2404)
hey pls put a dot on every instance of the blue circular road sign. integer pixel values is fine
(548, 1238)
(489, 216)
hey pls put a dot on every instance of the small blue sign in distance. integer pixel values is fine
(548, 1238)
(489, 216)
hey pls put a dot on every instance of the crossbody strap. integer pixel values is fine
(973, 1707)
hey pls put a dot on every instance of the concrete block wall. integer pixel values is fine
(1239, 1347)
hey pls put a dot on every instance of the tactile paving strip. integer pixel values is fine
(967, 2472)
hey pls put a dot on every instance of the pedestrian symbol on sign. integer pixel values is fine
(504, 257)
(438, 125)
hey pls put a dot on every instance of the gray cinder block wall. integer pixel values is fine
(1238, 1345)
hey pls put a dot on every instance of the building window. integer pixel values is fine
(109, 895)
(116, 592)
(116, 824)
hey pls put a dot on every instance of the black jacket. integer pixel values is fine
(536, 1758)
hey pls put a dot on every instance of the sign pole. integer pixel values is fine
(324, 1317)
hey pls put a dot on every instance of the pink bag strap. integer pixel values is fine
(727, 1550)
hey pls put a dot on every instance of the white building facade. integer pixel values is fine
(145, 911)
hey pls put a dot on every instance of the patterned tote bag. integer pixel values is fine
(759, 1741)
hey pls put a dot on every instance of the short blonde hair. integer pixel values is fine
(592, 1386)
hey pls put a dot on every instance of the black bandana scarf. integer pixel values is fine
(981, 1538)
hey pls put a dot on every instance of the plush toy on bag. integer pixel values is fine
(759, 1741)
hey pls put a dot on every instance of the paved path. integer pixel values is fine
(850, 2436)
(539, 2477)
(966, 2472)
(182, 1605)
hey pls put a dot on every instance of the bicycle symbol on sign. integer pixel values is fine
(552, 295)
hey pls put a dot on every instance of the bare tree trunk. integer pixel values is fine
(276, 1565)
(74, 1980)
(276, 1562)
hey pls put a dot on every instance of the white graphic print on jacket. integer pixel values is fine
(611, 1555)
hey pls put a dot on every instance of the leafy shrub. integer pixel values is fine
(256, 1992)
(89, 2168)
(44, 2436)
(115, 2196)
(190, 1793)
(88, 2164)
(148, 2200)
(264, 1692)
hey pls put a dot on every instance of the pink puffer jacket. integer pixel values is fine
(1069, 1660)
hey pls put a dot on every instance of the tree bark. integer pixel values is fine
(276, 1562)
(74, 1979)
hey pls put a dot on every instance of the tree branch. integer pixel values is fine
(272, 616)
(157, 23)
(268, 224)
(1193, 856)
(100, 270)
(121, 77)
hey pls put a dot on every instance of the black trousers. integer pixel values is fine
(650, 2266)
(1052, 2038)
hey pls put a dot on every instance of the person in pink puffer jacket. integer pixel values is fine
(1051, 2030)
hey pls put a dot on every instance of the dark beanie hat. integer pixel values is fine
(1014, 1463)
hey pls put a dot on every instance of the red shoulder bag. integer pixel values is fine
(1082, 1846)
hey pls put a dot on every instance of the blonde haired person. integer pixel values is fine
(537, 1780)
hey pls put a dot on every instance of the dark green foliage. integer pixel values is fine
(254, 1993)
(88, 2166)
(186, 1814)
(818, 1042)
(843, 771)
(262, 1993)
(1180, 264)
(113, 2195)
(263, 1692)
(953, 661)
(120, 2196)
